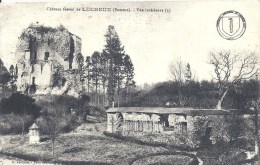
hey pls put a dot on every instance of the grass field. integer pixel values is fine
(89, 147)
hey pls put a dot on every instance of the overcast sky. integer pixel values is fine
(151, 39)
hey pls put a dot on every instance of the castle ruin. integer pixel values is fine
(48, 61)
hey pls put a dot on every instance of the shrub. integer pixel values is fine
(13, 123)
(19, 104)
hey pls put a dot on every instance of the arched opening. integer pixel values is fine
(63, 82)
(164, 119)
(183, 127)
(33, 80)
(120, 119)
(46, 56)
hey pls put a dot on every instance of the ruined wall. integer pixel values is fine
(57, 39)
(134, 122)
(199, 130)
(113, 122)
(174, 119)
(44, 52)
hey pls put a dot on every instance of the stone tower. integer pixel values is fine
(47, 60)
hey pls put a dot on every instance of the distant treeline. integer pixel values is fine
(194, 94)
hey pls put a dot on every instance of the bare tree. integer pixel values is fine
(52, 123)
(231, 68)
(177, 71)
(181, 73)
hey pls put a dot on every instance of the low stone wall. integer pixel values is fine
(192, 130)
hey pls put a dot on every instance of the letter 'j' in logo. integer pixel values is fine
(231, 25)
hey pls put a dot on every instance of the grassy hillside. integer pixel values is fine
(19, 111)
(88, 145)
(82, 147)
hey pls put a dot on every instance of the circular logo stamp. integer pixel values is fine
(231, 25)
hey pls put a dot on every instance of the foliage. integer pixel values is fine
(119, 64)
(22, 105)
(228, 129)
(52, 122)
(4, 74)
(19, 104)
(13, 77)
(195, 94)
(96, 72)
(109, 72)
(56, 77)
(73, 110)
(13, 123)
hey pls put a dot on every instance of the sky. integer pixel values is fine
(152, 40)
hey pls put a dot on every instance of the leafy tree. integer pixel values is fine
(11, 70)
(129, 71)
(115, 52)
(188, 74)
(112, 69)
(96, 73)
(80, 61)
(4, 76)
(57, 76)
(13, 77)
(87, 72)
(84, 106)
(19, 104)
(230, 69)
(120, 74)
(104, 73)
(244, 92)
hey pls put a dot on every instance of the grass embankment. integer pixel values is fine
(91, 147)
(83, 148)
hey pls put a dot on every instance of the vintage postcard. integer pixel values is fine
(130, 82)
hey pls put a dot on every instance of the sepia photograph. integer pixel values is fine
(130, 83)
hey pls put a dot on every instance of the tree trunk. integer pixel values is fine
(127, 91)
(22, 127)
(96, 99)
(219, 105)
(88, 86)
(110, 88)
(53, 155)
(118, 93)
(256, 132)
(118, 98)
(104, 95)
(98, 93)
